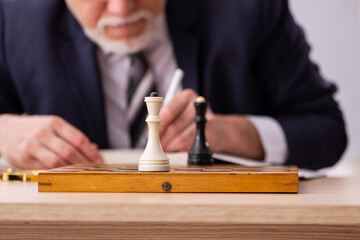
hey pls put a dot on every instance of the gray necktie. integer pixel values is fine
(141, 84)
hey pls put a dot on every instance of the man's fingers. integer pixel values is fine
(77, 139)
(182, 142)
(183, 121)
(33, 147)
(48, 158)
(48, 139)
(24, 160)
(62, 148)
(172, 110)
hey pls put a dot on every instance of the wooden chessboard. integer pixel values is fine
(126, 178)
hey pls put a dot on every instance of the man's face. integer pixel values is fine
(121, 26)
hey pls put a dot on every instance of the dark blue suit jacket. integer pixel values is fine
(245, 57)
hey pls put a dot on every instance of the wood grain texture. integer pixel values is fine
(324, 201)
(325, 208)
(163, 230)
(216, 178)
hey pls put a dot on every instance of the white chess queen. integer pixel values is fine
(153, 159)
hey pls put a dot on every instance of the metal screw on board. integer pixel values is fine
(166, 186)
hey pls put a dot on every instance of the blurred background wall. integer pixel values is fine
(332, 28)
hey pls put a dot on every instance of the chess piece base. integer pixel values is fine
(154, 168)
(200, 159)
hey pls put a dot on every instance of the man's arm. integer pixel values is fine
(297, 96)
(36, 142)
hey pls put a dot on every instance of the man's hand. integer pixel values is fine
(232, 134)
(43, 142)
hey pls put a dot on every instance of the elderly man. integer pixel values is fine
(70, 71)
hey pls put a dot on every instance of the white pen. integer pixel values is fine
(174, 85)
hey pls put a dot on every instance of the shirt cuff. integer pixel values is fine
(5, 164)
(272, 137)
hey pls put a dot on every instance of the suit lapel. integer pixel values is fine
(184, 36)
(78, 56)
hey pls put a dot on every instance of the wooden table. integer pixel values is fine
(325, 208)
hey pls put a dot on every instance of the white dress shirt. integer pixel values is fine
(161, 59)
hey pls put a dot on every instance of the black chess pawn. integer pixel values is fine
(200, 153)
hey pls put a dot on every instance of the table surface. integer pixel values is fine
(327, 200)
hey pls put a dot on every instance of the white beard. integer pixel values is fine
(128, 46)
